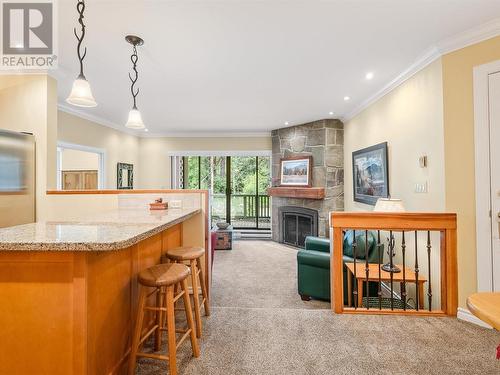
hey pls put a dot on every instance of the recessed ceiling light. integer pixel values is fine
(346, 98)
(369, 75)
(330, 113)
(146, 130)
(287, 123)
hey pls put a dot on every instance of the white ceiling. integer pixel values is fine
(249, 66)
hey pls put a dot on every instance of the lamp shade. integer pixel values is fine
(81, 94)
(134, 120)
(389, 205)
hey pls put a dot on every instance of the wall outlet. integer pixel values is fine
(421, 188)
(175, 204)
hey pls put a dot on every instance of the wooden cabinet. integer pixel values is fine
(73, 312)
(79, 180)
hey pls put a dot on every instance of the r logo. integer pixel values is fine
(27, 28)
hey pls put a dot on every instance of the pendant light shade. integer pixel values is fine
(134, 120)
(81, 94)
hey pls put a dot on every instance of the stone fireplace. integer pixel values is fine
(323, 140)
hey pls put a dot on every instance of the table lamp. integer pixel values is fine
(390, 205)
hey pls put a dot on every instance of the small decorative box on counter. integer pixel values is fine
(158, 205)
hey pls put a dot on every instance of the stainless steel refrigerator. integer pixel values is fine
(17, 178)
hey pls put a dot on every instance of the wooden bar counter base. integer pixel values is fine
(69, 290)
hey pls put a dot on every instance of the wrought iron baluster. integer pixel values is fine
(429, 290)
(391, 249)
(355, 292)
(379, 246)
(367, 271)
(416, 272)
(403, 284)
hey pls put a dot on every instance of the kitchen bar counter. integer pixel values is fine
(69, 287)
(111, 230)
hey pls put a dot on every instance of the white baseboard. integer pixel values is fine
(466, 315)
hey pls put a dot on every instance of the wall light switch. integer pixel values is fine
(421, 188)
(175, 204)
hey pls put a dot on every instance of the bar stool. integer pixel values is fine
(163, 278)
(193, 255)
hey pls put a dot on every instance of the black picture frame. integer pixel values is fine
(120, 167)
(375, 163)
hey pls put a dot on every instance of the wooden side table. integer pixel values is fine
(384, 276)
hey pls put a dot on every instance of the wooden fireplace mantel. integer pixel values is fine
(297, 192)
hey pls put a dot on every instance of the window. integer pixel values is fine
(238, 186)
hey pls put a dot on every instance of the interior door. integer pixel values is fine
(494, 111)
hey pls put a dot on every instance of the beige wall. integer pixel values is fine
(459, 151)
(76, 160)
(120, 147)
(410, 119)
(154, 152)
(28, 103)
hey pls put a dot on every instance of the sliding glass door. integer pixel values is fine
(238, 185)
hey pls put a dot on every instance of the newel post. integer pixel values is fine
(336, 264)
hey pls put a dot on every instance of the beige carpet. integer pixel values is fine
(259, 325)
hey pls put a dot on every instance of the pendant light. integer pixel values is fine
(134, 116)
(81, 94)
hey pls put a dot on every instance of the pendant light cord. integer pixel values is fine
(134, 57)
(80, 7)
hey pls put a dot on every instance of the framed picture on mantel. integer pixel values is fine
(370, 172)
(296, 171)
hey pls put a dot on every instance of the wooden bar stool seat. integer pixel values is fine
(192, 254)
(164, 278)
(185, 253)
(163, 275)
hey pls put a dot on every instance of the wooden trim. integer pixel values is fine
(15, 192)
(394, 221)
(451, 272)
(137, 191)
(337, 284)
(80, 329)
(295, 192)
(446, 223)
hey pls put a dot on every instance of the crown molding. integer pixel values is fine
(234, 134)
(475, 35)
(96, 119)
(472, 36)
(141, 134)
(425, 59)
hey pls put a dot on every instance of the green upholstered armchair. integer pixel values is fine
(313, 263)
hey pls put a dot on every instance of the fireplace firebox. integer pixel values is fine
(296, 223)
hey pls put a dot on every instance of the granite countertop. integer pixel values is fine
(110, 230)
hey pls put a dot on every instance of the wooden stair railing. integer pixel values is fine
(411, 234)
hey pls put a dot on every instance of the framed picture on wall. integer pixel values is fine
(125, 176)
(370, 171)
(296, 171)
